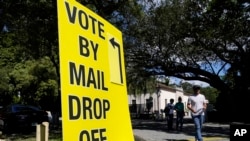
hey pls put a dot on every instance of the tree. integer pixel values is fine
(35, 83)
(32, 32)
(187, 87)
(197, 40)
(211, 94)
(30, 36)
(188, 39)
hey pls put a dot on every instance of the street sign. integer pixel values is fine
(93, 84)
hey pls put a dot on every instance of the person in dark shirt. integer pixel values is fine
(179, 108)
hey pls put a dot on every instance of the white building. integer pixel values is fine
(160, 98)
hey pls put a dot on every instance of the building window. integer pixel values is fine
(134, 106)
(133, 102)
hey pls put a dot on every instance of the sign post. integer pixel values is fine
(93, 84)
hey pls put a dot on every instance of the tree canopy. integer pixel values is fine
(195, 40)
(188, 39)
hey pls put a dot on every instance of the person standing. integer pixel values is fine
(197, 105)
(179, 108)
(170, 114)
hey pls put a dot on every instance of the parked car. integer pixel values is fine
(18, 116)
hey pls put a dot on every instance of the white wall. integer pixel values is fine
(165, 94)
(165, 97)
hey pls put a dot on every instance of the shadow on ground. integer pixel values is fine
(140, 139)
(209, 129)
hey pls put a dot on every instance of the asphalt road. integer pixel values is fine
(151, 130)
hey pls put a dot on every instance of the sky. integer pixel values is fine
(174, 80)
(217, 68)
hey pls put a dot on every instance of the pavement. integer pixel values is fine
(153, 130)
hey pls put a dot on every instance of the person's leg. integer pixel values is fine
(198, 125)
(170, 122)
(181, 122)
(177, 121)
(195, 122)
(202, 120)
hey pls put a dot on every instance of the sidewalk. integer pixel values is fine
(151, 130)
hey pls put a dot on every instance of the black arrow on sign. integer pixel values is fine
(115, 44)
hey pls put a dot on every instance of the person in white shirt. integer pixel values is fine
(170, 114)
(197, 105)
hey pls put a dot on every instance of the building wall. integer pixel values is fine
(160, 99)
(165, 97)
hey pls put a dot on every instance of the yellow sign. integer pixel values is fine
(93, 84)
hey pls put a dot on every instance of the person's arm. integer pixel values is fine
(166, 109)
(190, 107)
(175, 107)
(204, 104)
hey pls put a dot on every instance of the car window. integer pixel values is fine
(21, 109)
(34, 108)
